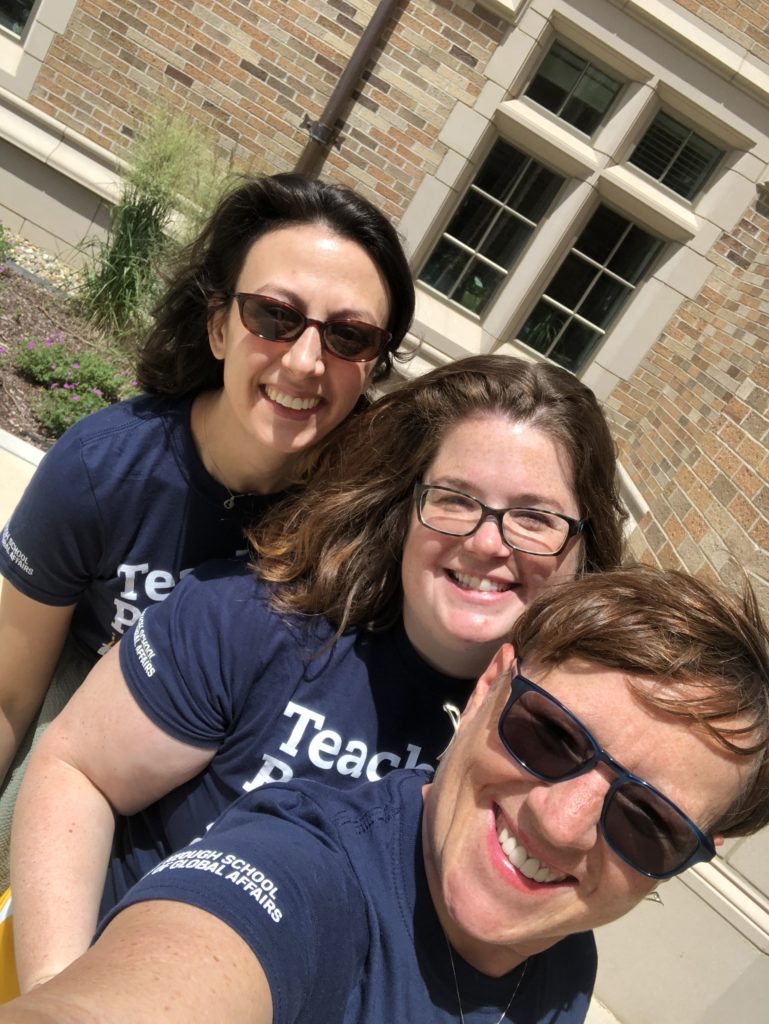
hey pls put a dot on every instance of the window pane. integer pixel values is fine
(572, 88)
(472, 219)
(603, 300)
(634, 254)
(593, 283)
(14, 14)
(500, 170)
(602, 233)
(506, 239)
(571, 281)
(691, 170)
(659, 146)
(477, 287)
(556, 77)
(675, 155)
(541, 329)
(590, 100)
(494, 220)
(445, 266)
(535, 192)
(575, 346)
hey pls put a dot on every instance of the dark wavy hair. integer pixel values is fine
(175, 358)
(689, 648)
(335, 549)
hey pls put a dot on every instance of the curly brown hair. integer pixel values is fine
(336, 548)
(176, 358)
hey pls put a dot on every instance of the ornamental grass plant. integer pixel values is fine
(174, 179)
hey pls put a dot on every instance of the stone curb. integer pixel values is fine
(22, 449)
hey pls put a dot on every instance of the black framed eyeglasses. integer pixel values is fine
(274, 320)
(640, 824)
(534, 531)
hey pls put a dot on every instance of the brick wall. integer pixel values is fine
(693, 421)
(744, 21)
(251, 70)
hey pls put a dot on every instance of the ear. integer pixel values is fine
(718, 840)
(500, 664)
(215, 327)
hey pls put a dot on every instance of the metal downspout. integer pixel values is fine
(323, 131)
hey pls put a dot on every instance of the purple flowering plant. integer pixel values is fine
(76, 384)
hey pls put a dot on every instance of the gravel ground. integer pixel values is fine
(34, 260)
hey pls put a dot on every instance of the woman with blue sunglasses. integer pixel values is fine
(637, 739)
(293, 299)
(386, 585)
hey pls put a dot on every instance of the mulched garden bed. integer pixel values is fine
(32, 310)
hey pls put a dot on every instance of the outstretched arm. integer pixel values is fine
(31, 639)
(159, 961)
(102, 755)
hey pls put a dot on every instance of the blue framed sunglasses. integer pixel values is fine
(640, 824)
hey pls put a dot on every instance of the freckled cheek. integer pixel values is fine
(566, 564)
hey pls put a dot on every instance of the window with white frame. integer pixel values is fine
(594, 159)
(573, 88)
(589, 289)
(501, 209)
(14, 15)
(676, 156)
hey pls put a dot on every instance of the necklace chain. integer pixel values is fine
(456, 986)
(229, 502)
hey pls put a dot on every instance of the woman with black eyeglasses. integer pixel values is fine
(386, 585)
(628, 737)
(291, 302)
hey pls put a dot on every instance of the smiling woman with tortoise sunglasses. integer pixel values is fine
(133, 497)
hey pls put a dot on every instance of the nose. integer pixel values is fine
(568, 814)
(487, 541)
(304, 357)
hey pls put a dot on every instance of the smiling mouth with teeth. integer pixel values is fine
(468, 582)
(290, 401)
(521, 859)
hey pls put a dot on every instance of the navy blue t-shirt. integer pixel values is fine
(275, 696)
(284, 866)
(117, 512)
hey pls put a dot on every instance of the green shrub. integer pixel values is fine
(77, 384)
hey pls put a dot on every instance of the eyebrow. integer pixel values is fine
(529, 499)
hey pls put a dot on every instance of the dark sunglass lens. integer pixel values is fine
(647, 831)
(350, 339)
(544, 738)
(270, 319)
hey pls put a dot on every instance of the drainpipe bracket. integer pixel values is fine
(319, 132)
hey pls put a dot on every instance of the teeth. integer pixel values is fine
(289, 401)
(520, 858)
(479, 582)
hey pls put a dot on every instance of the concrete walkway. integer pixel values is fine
(18, 460)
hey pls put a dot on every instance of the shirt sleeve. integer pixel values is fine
(50, 547)
(271, 869)
(190, 660)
